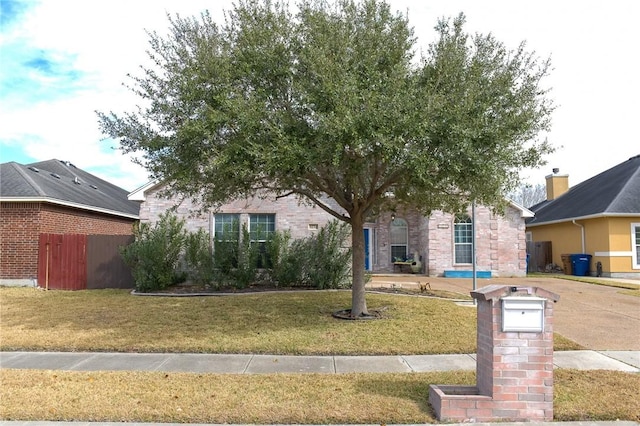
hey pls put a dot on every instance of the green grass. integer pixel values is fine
(282, 323)
(282, 398)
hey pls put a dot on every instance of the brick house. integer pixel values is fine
(441, 242)
(54, 197)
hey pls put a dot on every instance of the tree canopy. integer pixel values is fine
(331, 100)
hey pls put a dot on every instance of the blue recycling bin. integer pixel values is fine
(581, 264)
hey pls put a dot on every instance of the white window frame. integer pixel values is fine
(235, 217)
(468, 244)
(635, 245)
(253, 215)
(399, 222)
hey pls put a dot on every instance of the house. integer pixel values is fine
(441, 243)
(600, 218)
(46, 206)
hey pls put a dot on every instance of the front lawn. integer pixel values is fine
(282, 323)
(281, 398)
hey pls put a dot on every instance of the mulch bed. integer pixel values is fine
(185, 289)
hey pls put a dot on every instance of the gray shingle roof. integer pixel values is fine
(62, 183)
(614, 192)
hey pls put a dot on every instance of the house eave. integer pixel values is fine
(68, 204)
(587, 217)
(138, 194)
(524, 212)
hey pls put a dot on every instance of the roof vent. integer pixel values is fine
(34, 169)
(55, 175)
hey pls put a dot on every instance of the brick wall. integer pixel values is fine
(19, 230)
(61, 220)
(22, 224)
(514, 370)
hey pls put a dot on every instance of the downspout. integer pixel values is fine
(581, 232)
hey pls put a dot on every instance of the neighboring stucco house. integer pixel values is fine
(54, 197)
(442, 242)
(599, 217)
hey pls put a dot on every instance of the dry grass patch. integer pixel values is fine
(281, 399)
(287, 323)
(596, 395)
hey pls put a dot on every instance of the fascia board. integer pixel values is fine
(67, 204)
(593, 216)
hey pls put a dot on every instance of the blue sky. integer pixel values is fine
(61, 60)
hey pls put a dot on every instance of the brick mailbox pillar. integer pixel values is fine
(514, 365)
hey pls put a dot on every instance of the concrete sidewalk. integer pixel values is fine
(628, 361)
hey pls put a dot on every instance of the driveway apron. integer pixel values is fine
(595, 316)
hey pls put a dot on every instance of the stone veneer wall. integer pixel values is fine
(500, 243)
(501, 246)
(290, 213)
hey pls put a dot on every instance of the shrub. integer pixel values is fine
(198, 257)
(154, 256)
(248, 255)
(285, 269)
(320, 261)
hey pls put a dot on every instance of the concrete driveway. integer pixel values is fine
(595, 316)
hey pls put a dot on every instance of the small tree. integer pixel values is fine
(331, 102)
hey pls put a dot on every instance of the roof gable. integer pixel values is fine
(613, 192)
(61, 182)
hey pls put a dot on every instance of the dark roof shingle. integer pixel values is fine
(60, 181)
(613, 192)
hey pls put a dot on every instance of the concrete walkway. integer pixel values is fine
(628, 361)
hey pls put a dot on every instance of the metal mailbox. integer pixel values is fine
(523, 314)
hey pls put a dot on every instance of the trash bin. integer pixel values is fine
(580, 264)
(567, 265)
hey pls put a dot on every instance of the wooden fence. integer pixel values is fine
(79, 262)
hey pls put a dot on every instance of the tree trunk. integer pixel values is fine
(358, 301)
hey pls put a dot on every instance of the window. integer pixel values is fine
(226, 240)
(261, 229)
(635, 241)
(399, 240)
(226, 227)
(462, 239)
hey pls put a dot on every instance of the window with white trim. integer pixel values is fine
(226, 239)
(635, 244)
(226, 227)
(399, 240)
(462, 239)
(261, 229)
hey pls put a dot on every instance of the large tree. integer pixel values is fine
(330, 100)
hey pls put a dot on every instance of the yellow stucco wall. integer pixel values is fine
(607, 235)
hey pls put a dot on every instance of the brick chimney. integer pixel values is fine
(556, 184)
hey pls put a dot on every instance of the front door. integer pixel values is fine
(367, 249)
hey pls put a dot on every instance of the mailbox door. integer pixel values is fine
(523, 314)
